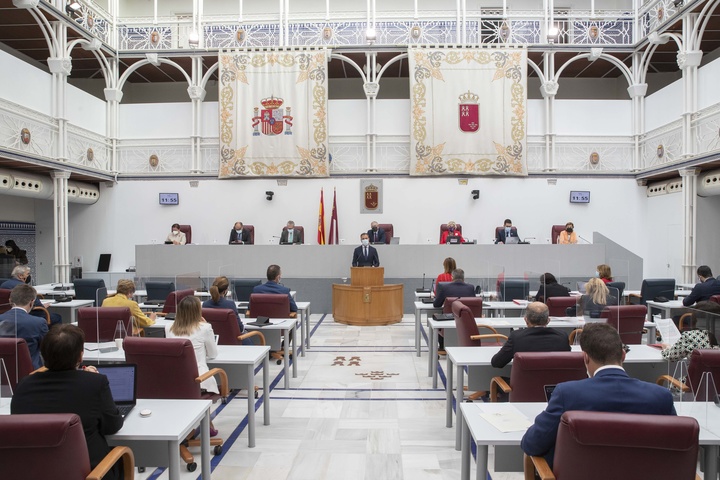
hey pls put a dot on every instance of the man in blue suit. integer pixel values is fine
(20, 275)
(506, 232)
(273, 285)
(365, 255)
(707, 287)
(376, 234)
(455, 289)
(609, 389)
(17, 322)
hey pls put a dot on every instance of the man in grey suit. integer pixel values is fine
(290, 235)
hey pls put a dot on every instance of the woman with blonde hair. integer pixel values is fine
(596, 298)
(190, 324)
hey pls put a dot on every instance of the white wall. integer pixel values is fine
(708, 226)
(17, 209)
(591, 117)
(708, 93)
(664, 106)
(156, 120)
(85, 110)
(24, 84)
(128, 213)
(663, 235)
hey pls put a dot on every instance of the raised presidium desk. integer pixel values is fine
(239, 363)
(478, 430)
(155, 440)
(503, 325)
(642, 361)
(367, 300)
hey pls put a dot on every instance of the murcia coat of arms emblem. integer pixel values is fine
(469, 112)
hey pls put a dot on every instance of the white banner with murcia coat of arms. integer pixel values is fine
(468, 111)
(371, 193)
(273, 114)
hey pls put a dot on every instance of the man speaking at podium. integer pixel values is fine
(365, 255)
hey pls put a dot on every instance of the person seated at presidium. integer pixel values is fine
(17, 322)
(290, 235)
(190, 324)
(455, 289)
(507, 232)
(365, 255)
(64, 388)
(604, 273)
(273, 285)
(123, 298)
(451, 231)
(609, 389)
(448, 266)
(21, 275)
(239, 236)
(707, 287)
(568, 236)
(176, 237)
(597, 296)
(376, 234)
(549, 287)
(537, 337)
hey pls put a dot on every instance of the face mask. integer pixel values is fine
(8, 249)
(374, 229)
(597, 274)
(175, 232)
(365, 242)
(569, 230)
(451, 229)
(238, 232)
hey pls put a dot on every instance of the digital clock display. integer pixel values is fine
(169, 199)
(578, 196)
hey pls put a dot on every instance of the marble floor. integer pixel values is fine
(361, 408)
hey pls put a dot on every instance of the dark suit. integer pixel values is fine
(376, 237)
(16, 322)
(551, 290)
(535, 339)
(501, 234)
(244, 237)
(55, 319)
(702, 291)
(452, 290)
(610, 390)
(86, 394)
(274, 287)
(297, 237)
(360, 260)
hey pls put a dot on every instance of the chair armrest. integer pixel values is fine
(681, 322)
(293, 314)
(573, 334)
(496, 382)
(111, 459)
(39, 370)
(482, 325)
(539, 465)
(45, 311)
(224, 389)
(672, 381)
(490, 336)
(254, 333)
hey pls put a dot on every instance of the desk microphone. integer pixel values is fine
(584, 239)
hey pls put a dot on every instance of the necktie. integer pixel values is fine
(375, 236)
(290, 235)
(365, 252)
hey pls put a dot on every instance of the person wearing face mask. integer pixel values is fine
(568, 236)
(176, 237)
(273, 285)
(239, 236)
(376, 234)
(452, 231)
(11, 248)
(365, 255)
(508, 231)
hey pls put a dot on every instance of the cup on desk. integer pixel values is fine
(119, 343)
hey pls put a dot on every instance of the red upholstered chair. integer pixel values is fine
(273, 305)
(701, 361)
(444, 227)
(558, 305)
(389, 231)
(187, 230)
(174, 298)
(251, 232)
(15, 354)
(473, 303)
(555, 232)
(468, 331)
(225, 325)
(532, 371)
(52, 445)
(166, 368)
(603, 445)
(5, 304)
(715, 298)
(99, 323)
(628, 320)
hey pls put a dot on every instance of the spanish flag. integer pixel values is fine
(321, 221)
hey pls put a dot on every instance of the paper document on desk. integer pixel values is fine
(102, 346)
(505, 419)
(278, 321)
(498, 323)
(564, 319)
(668, 331)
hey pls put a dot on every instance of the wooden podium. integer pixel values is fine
(367, 300)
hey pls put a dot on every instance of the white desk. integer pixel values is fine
(664, 307)
(284, 325)
(642, 361)
(476, 429)
(155, 440)
(304, 312)
(68, 310)
(421, 308)
(503, 326)
(238, 361)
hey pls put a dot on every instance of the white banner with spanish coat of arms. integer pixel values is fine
(273, 114)
(468, 111)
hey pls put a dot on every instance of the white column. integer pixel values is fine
(60, 221)
(637, 93)
(689, 188)
(371, 88)
(548, 90)
(197, 95)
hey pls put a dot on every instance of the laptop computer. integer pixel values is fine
(394, 240)
(454, 240)
(511, 240)
(260, 322)
(123, 385)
